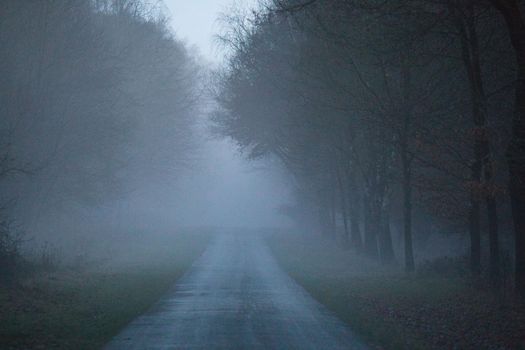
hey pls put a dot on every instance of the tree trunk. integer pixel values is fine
(344, 209)
(387, 250)
(371, 228)
(475, 237)
(466, 24)
(406, 164)
(511, 12)
(355, 208)
(495, 270)
(333, 213)
(407, 213)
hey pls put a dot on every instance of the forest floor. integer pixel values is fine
(392, 310)
(72, 309)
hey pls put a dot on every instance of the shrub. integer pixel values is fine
(445, 266)
(10, 241)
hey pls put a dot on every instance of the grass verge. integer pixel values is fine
(83, 309)
(391, 310)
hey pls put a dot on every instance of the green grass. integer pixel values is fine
(392, 310)
(83, 310)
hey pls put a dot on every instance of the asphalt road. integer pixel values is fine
(235, 296)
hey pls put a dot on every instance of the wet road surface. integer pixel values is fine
(235, 296)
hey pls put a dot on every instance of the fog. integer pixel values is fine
(219, 190)
(164, 169)
(336, 165)
(230, 192)
(156, 117)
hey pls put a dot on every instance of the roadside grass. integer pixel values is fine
(392, 310)
(69, 309)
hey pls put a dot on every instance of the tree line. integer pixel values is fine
(387, 113)
(96, 98)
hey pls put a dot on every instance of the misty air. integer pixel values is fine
(262, 174)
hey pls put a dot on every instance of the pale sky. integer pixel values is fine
(196, 22)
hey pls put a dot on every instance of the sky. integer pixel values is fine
(195, 21)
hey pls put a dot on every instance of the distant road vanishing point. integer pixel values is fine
(235, 296)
